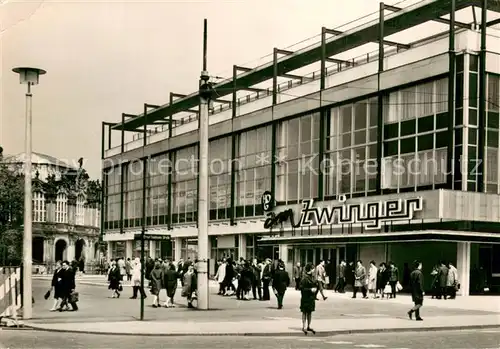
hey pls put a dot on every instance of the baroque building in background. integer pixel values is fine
(66, 212)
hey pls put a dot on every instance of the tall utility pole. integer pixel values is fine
(30, 77)
(205, 95)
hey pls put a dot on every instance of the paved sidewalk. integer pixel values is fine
(338, 314)
(277, 327)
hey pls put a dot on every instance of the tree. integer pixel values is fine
(11, 214)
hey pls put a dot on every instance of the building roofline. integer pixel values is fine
(424, 11)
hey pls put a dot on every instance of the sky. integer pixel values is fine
(104, 58)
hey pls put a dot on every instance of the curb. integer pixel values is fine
(272, 334)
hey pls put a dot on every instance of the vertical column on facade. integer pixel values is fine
(242, 246)
(144, 181)
(380, 98)
(274, 125)
(482, 99)
(283, 252)
(170, 117)
(129, 249)
(103, 128)
(109, 135)
(152, 249)
(463, 267)
(178, 249)
(232, 212)
(122, 174)
(451, 96)
(322, 120)
(465, 134)
(109, 254)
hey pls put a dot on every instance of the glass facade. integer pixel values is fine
(351, 150)
(297, 159)
(132, 202)
(492, 134)
(159, 169)
(219, 159)
(253, 170)
(185, 185)
(415, 137)
(414, 156)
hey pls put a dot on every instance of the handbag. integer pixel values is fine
(47, 295)
(74, 297)
(399, 288)
(327, 280)
(120, 287)
(387, 289)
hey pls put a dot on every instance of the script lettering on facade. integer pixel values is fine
(371, 214)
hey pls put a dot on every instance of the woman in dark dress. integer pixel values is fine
(114, 279)
(57, 285)
(170, 283)
(246, 278)
(281, 280)
(308, 287)
(156, 279)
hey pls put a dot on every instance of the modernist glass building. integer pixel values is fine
(392, 155)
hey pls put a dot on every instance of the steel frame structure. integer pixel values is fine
(284, 62)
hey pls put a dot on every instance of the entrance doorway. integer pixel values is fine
(38, 249)
(61, 247)
(79, 247)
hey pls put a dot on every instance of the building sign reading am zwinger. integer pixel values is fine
(370, 214)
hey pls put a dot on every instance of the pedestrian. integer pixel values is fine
(452, 281)
(57, 286)
(128, 269)
(321, 278)
(393, 278)
(246, 281)
(228, 278)
(257, 279)
(121, 267)
(297, 273)
(115, 280)
(443, 281)
(266, 280)
(156, 278)
(281, 280)
(190, 284)
(372, 279)
(341, 280)
(382, 279)
(417, 290)
(68, 287)
(220, 276)
(308, 289)
(136, 280)
(170, 278)
(359, 279)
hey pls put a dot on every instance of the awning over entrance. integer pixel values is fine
(436, 235)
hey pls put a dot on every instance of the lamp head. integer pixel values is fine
(29, 75)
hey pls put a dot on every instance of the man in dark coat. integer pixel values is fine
(68, 286)
(417, 290)
(256, 280)
(281, 280)
(297, 275)
(341, 281)
(266, 280)
(443, 280)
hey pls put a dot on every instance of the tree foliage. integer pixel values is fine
(11, 214)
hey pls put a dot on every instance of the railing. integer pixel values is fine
(10, 292)
(92, 268)
(341, 66)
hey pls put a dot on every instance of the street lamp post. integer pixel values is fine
(29, 76)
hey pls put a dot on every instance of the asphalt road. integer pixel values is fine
(479, 339)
